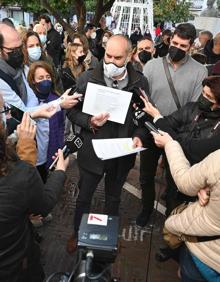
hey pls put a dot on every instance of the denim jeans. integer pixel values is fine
(189, 271)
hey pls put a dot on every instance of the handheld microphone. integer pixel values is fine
(140, 118)
(137, 93)
(73, 91)
(72, 144)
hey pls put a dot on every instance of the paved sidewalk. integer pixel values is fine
(132, 260)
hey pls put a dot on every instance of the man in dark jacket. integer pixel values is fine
(212, 50)
(136, 36)
(162, 48)
(113, 72)
(54, 40)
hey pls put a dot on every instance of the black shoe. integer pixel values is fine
(143, 218)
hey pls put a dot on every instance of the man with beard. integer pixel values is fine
(13, 83)
(187, 76)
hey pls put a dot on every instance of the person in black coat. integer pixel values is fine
(136, 36)
(23, 193)
(194, 122)
(54, 40)
(212, 50)
(162, 48)
(92, 169)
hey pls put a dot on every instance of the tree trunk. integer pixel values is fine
(98, 12)
(81, 13)
(101, 9)
(58, 17)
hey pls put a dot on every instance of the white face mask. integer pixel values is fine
(93, 35)
(59, 29)
(105, 39)
(34, 53)
(111, 70)
(43, 38)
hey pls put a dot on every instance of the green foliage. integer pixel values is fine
(90, 5)
(171, 10)
(63, 6)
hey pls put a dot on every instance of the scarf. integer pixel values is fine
(16, 74)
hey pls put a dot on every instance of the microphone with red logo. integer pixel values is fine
(72, 144)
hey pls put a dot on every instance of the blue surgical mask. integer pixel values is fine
(34, 53)
(43, 88)
(43, 38)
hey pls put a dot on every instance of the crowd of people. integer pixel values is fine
(180, 79)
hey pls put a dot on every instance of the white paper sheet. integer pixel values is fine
(113, 148)
(99, 99)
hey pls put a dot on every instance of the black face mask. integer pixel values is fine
(204, 104)
(81, 59)
(144, 56)
(15, 58)
(176, 54)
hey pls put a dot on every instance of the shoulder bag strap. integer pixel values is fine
(207, 238)
(169, 79)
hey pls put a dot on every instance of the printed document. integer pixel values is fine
(113, 148)
(99, 99)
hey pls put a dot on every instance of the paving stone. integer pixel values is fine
(133, 259)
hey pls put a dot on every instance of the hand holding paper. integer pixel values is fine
(99, 120)
(137, 142)
(100, 99)
(114, 148)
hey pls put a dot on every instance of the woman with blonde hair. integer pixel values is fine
(74, 64)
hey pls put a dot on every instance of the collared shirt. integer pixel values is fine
(122, 83)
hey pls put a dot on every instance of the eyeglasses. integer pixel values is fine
(12, 49)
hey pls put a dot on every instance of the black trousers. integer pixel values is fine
(88, 182)
(148, 168)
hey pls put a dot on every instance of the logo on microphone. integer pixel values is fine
(78, 142)
(70, 138)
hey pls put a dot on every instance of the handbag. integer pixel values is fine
(170, 81)
(175, 241)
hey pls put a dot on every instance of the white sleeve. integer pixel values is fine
(11, 97)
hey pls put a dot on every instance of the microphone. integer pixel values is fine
(137, 93)
(140, 119)
(72, 144)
